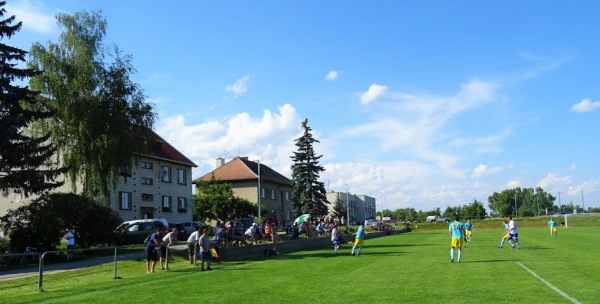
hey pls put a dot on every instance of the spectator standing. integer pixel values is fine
(151, 254)
(205, 256)
(167, 241)
(70, 238)
(192, 244)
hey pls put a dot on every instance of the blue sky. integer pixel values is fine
(419, 104)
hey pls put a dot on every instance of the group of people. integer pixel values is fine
(162, 239)
(461, 233)
(359, 239)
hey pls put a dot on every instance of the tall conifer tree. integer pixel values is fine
(309, 194)
(25, 159)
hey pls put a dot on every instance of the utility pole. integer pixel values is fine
(347, 208)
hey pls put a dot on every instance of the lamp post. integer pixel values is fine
(347, 208)
(259, 194)
(516, 212)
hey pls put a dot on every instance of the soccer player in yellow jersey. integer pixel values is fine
(456, 230)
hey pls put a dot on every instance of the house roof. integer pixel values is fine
(241, 169)
(161, 149)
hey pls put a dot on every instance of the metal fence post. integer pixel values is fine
(115, 264)
(41, 274)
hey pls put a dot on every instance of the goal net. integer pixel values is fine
(581, 219)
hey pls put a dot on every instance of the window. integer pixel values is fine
(263, 193)
(181, 176)
(181, 204)
(287, 196)
(147, 197)
(125, 200)
(272, 193)
(165, 174)
(146, 165)
(125, 170)
(166, 204)
(146, 181)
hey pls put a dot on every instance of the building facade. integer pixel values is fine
(257, 183)
(358, 207)
(158, 185)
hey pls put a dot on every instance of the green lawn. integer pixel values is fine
(412, 267)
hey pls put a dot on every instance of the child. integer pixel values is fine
(205, 246)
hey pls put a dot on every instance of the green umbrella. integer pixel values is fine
(302, 218)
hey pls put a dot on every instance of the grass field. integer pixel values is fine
(411, 267)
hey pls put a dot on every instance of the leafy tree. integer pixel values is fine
(308, 193)
(526, 201)
(475, 210)
(100, 114)
(339, 207)
(25, 159)
(214, 200)
(45, 219)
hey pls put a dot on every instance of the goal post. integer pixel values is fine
(581, 219)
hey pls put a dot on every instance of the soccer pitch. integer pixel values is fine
(411, 267)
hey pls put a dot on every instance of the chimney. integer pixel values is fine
(220, 162)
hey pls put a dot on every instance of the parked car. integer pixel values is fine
(190, 227)
(182, 233)
(136, 231)
(437, 219)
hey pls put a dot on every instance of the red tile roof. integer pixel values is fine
(240, 169)
(163, 150)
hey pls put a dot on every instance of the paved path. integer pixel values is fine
(74, 265)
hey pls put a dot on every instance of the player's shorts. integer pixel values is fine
(505, 236)
(468, 232)
(513, 236)
(553, 229)
(359, 242)
(456, 242)
(336, 241)
(205, 256)
(151, 254)
(192, 248)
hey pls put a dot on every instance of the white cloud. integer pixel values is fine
(573, 167)
(551, 182)
(269, 138)
(375, 91)
(586, 105)
(580, 189)
(484, 170)
(31, 16)
(239, 87)
(332, 75)
(413, 124)
(514, 183)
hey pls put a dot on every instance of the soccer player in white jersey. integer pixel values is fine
(513, 233)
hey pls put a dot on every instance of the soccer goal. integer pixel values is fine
(581, 219)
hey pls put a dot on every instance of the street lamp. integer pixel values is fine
(259, 217)
(516, 212)
(347, 208)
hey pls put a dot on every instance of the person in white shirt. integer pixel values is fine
(192, 244)
(335, 239)
(168, 240)
(513, 233)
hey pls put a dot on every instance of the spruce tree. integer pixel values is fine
(25, 158)
(309, 194)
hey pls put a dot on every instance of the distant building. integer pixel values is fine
(360, 207)
(243, 176)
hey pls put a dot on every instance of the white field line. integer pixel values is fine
(560, 292)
